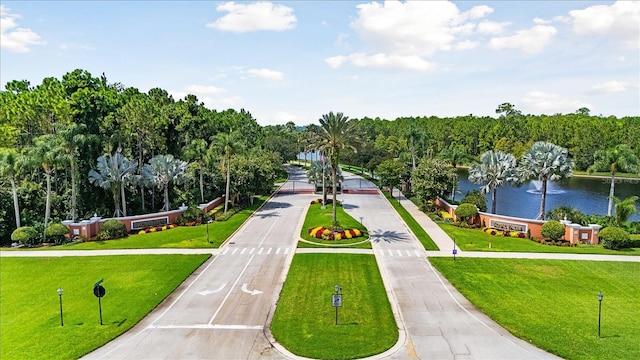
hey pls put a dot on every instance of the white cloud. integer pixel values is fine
(204, 89)
(381, 60)
(12, 37)
(530, 41)
(266, 74)
(72, 46)
(548, 103)
(492, 27)
(479, 11)
(256, 16)
(612, 86)
(465, 45)
(620, 21)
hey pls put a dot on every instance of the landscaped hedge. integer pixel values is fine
(322, 232)
(26, 235)
(553, 230)
(614, 238)
(112, 229)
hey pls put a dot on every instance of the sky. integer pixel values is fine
(297, 60)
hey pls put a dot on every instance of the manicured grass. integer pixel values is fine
(477, 240)
(30, 310)
(554, 303)
(304, 320)
(317, 216)
(417, 230)
(179, 237)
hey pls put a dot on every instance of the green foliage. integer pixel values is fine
(466, 211)
(476, 198)
(624, 209)
(112, 229)
(391, 173)
(552, 229)
(56, 232)
(614, 238)
(569, 213)
(26, 235)
(193, 214)
(431, 179)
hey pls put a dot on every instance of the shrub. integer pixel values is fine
(466, 211)
(476, 198)
(26, 235)
(614, 238)
(56, 232)
(193, 214)
(553, 230)
(112, 229)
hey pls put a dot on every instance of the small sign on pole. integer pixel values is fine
(336, 300)
(99, 292)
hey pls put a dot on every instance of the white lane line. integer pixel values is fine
(277, 251)
(234, 251)
(243, 251)
(252, 250)
(260, 252)
(225, 251)
(399, 252)
(212, 327)
(286, 251)
(269, 251)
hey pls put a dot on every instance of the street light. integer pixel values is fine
(60, 296)
(600, 297)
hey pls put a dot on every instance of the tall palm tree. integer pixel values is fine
(9, 166)
(167, 169)
(454, 155)
(196, 151)
(226, 144)
(336, 133)
(494, 170)
(413, 135)
(46, 153)
(545, 161)
(71, 137)
(620, 158)
(113, 172)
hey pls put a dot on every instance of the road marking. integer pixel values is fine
(207, 292)
(399, 252)
(286, 251)
(269, 251)
(243, 250)
(408, 252)
(390, 252)
(417, 253)
(207, 326)
(252, 250)
(234, 251)
(252, 292)
(260, 252)
(225, 251)
(277, 251)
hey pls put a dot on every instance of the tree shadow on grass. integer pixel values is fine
(387, 236)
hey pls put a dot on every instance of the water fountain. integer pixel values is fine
(551, 189)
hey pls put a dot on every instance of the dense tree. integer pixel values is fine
(619, 158)
(166, 169)
(431, 179)
(391, 173)
(196, 152)
(545, 162)
(9, 166)
(226, 144)
(494, 170)
(113, 172)
(625, 208)
(47, 154)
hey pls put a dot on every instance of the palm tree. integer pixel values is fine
(625, 208)
(413, 136)
(545, 161)
(494, 170)
(454, 155)
(336, 132)
(71, 137)
(46, 153)
(166, 169)
(226, 144)
(113, 172)
(9, 166)
(620, 158)
(196, 151)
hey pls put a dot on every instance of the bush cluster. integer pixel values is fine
(112, 229)
(552, 230)
(614, 238)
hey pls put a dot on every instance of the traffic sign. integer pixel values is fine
(99, 291)
(337, 300)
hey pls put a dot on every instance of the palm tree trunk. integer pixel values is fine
(74, 205)
(494, 193)
(611, 193)
(16, 206)
(226, 192)
(201, 185)
(166, 197)
(47, 210)
(124, 203)
(335, 204)
(543, 198)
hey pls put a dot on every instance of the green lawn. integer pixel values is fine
(179, 237)
(554, 303)
(316, 216)
(304, 320)
(417, 230)
(29, 306)
(477, 240)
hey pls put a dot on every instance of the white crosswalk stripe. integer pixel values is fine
(257, 251)
(400, 253)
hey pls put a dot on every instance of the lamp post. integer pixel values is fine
(600, 297)
(60, 296)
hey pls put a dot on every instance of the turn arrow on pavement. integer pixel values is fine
(208, 292)
(252, 292)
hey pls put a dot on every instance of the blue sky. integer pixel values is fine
(296, 60)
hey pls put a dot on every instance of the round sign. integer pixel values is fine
(99, 291)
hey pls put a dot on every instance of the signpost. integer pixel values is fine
(336, 300)
(455, 251)
(99, 292)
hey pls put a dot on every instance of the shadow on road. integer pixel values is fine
(387, 236)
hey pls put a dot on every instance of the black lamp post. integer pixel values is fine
(600, 297)
(60, 296)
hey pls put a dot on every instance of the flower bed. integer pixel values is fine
(322, 232)
(515, 234)
(157, 228)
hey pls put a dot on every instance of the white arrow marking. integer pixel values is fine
(252, 292)
(207, 292)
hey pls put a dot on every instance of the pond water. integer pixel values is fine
(589, 195)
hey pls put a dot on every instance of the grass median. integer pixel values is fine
(554, 303)
(30, 310)
(417, 230)
(317, 216)
(304, 320)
